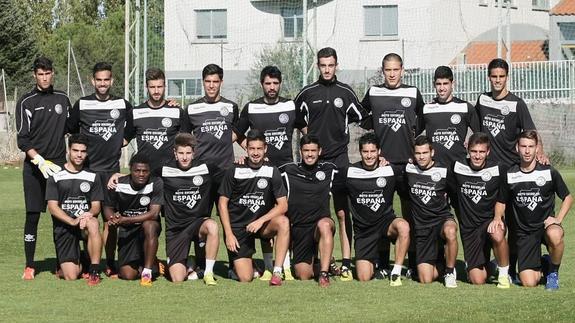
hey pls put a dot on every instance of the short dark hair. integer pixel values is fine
(139, 158)
(185, 139)
(422, 140)
(368, 138)
(212, 69)
(498, 63)
(443, 72)
(326, 52)
(42, 63)
(271, 71)
(478, 138)
(154, 73)
(101, 66)
(255, 135)
(77, 138)
(309, 139)
(529, 134)
(391, 57)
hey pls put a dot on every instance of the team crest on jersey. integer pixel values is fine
(372, 200)
(224, 112)
(58, 108)
(216, 127)
(320, 175)
(198, 180)
(284, 118)
(540, 181)
(392, 119)
(276, 137)
(436, 177)
(144, 200)
(103, 128)
(188, 196)
(455, 119)
(167, 122)
(406, 102)
(494, 124)
(529, 198)
(85, 187)
(474, 191)
(486, 176)
(381, 182)
(115, 113)
(446, 137)
(254, 201)
(338, 102)
(504, 110)
(262, 183)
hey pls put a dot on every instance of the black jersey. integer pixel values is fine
(74, 192)
(308, 191)
(103, 122)
(155, 130)
(213, 125)
(474, 192)
(186, 194)
(532, 195)
(41, 122)
(446, 124)
(371, 194)
(393, 118)
(503, 120)
(428, 193)
(252, 192)
(326, 108)
(129, 202)
(277, 121)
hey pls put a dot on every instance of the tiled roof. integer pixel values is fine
(521, 51)
(563, 8)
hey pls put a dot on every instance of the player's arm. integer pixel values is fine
(499, 212)
(129, 131)
(562, 191)
(60, 215)
(301, 113)
(355, 111)
(231, 241)
(279, 209)
(73, 121)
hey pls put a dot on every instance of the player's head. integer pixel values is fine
(43, 72)
(184, 144)
(139, 170)
(443, 82)
(156, 84)
(271, 81)
(392, 68)
(327, 63)
(102, 79)
(369, 150)
(497, 70)
(256, 147)
(310, 149)
(478, 147)
(527, 146)
(423, 152)
(213, 77)
(77, 149)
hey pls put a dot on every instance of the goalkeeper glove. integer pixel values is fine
(47, 167)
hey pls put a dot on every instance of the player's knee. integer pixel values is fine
(282, 222)
(151, 229)
(529, 282)
(450, 232)
(364, 275)
(211, 227)
(341, 214)
(303, 274)
(498, 236)
(403, 229)
(93, 226)
(325, 227)
(554, 235)
(245, 278)
(477, 278)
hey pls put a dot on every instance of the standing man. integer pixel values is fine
(435, 228)
(529, 189)
(134, 207)
(474, 183)
(103, 117)
(74, 197)
(446, 120)
(370, 188)
(252, 204)
(312, 229)
(393, 108)
(41, 123)
(325, 109)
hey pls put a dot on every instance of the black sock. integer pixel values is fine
(512, 264)
(346, 262)
(384, 259)
(110, 263)
(30, 232)
(449, 270)
(553, 268)
(412, 261)
(94, 268)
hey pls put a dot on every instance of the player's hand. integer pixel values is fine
(383, 161)
(83, 222)
(113, 181)
(47, 167)
(496, 224)
(173, 103)
(254, 226)
(75, 222)
(551, 220)
(232, 243)
(241, 160)
(543, 159)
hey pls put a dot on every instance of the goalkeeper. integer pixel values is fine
(41, 124)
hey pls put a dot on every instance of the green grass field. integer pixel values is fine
(49, 299)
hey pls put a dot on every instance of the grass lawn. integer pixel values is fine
(49, 299)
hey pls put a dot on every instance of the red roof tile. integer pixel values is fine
(563, 8)
(521, 51)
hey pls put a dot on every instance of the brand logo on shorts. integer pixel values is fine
(381, 182)
(436, 177)
(144, 200)
(167, 122)
(224, 112)
(455, 119)
(85, 187)
(284, 118)
(198, 180)
(486, 176)
(115, 113)
(504, 110)
(262, 183)
(540, 181)
(338, 102)
(320, 175)
(406, 102)
(58, 108)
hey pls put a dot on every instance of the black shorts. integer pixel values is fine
(131, 246)
(34, 185)
(401, 186)
(528, 246)
(178, 242)
(67, 242)
(367, 240)
(303, 242)
(476, 246)
(338, 188)
(429, 245)
(247, 242)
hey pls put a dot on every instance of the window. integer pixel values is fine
(293, 22)
(193, 87)
(567, 30)
(186, 88)
(211, 24)
(175, 88)
(540, 4)
(380, 21)
(505, 3)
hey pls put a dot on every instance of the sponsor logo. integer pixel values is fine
(529, 198)
(216, 127)
(424, 191)
(75, 206)
(156, 137)
(494, 124)
(187, 196)
(276, 137)
(445, 137)
(393, 119)
(254, 201)
(474, 191)
(103, 128)
(372, 200)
